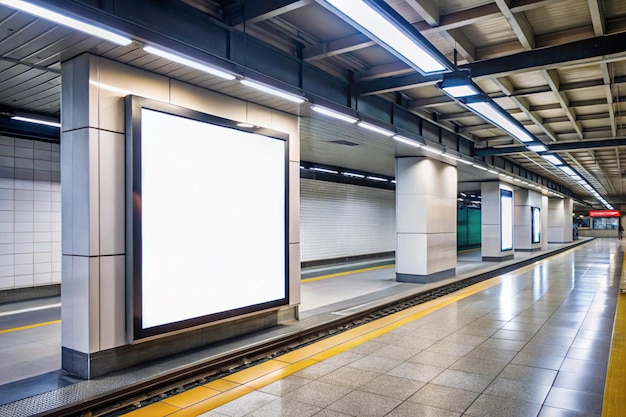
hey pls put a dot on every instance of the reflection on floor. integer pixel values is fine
(533, 342)
(320, 297)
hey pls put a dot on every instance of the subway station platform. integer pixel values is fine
(529, 341)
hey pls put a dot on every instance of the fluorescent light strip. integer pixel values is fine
(273, 91)
(334, 114)
(377, 179)
(480, 167)
(67, 21)
(553, 159)
(376, 129)
(458, 91)
(188, 62)
(537, 148)
(568, 170)
(328, 171)
(433, 150)
(407, 141)
(353, 175)
(37, 121)
(491, 171)
(490, 112)
(388, 33)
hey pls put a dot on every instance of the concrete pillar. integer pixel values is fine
(497, 239)
(94, 295)
(426, 193)
(525, 202)
(560, 220)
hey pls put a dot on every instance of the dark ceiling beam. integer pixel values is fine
(555, 147)
(382, 71)
(336, 47)
(456, 116)
(598, 49)
(430, 102)
(258, 11)
(380, 86)
(459, 19)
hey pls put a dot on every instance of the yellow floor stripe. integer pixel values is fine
(248, 380)
(614, 404)
(30, 326)
(340, 274)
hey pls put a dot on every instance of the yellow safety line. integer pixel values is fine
(30, 326)
(614, 405)
(243, 382)
(339, 274)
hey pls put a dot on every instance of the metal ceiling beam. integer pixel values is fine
(599, 49)
(555, 147)
(459, 19)
(257, 11)
(519, 24)
(596, 9)
(428, 9)
(608, 83)
(382, 71)
(552, 78)
(336, 47)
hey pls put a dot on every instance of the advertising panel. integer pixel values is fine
(208, 204)
(506, 220)
(536, 224)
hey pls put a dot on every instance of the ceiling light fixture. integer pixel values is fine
(334, 114)
(189, 63)
(70, 22)
(407, 141)
(552, 158)
(273, 91)
(37, 121)
(376, 129)
(381, 23)
(537, 148)
(432, 150)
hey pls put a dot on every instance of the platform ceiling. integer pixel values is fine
(558, 67)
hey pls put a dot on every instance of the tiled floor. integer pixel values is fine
(535, 344)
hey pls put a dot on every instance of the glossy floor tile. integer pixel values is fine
(536, 344)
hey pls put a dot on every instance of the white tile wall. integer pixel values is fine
(338, 220)
(30, 213)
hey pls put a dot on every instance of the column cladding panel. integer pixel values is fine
(491, 222)
(560, 220)
(426, 219)
(93, 188)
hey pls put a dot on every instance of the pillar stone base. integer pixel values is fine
(498, 258)
(425, 279)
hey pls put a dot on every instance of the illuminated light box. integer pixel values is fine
(535, 213)
(208, 204)
(506, 220)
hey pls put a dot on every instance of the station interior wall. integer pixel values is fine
(30, 213)
(342, 220)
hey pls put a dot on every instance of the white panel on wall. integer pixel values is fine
(30, 213)
(340, 220)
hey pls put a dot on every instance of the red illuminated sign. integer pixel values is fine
(604, 213)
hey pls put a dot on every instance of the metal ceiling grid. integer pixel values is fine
(570, 100)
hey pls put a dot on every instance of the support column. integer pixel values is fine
(497, 239)
(426, 193)
(526, 203)
(94, 292)
(560, 219)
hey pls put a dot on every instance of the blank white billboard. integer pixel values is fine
(213, 219)
(506, 220)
